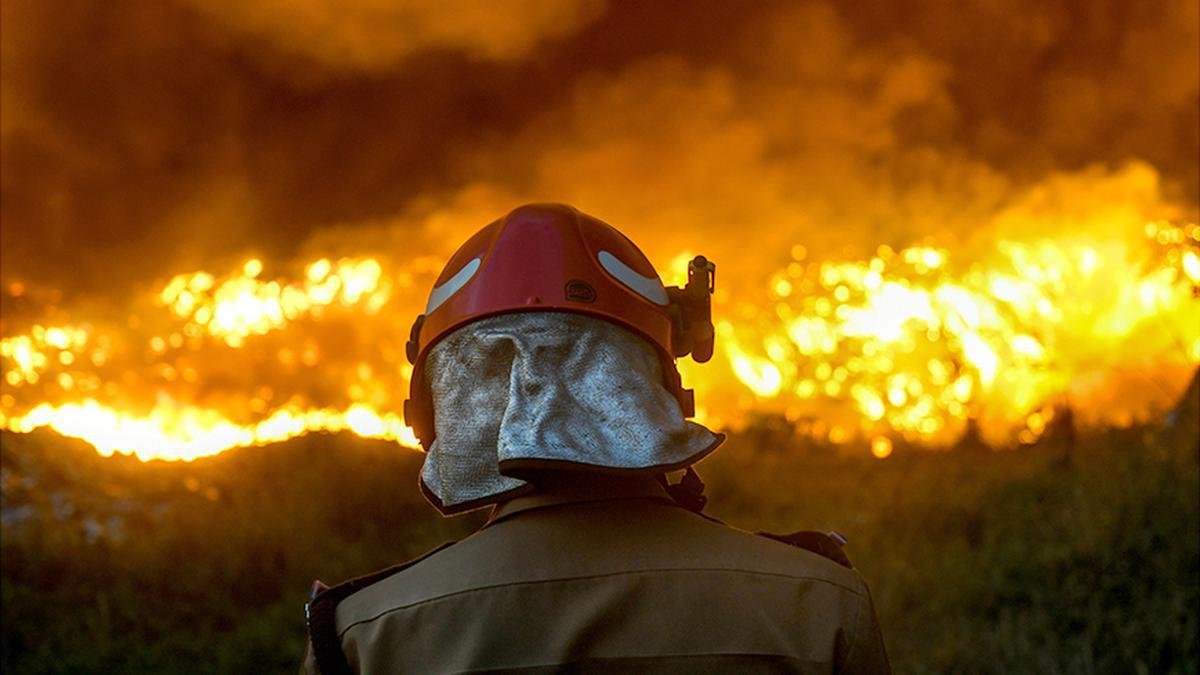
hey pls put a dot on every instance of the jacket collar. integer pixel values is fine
(578, 488)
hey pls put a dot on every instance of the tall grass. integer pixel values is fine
(1032, 560)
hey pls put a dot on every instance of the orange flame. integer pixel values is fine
(916, 346)
(910, 343)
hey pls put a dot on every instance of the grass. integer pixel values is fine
(1005, 561)
(1032, 560)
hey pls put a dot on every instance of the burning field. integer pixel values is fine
(915, 342)
(939, 229)
(218, 237)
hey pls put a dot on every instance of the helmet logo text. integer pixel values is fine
(578, 290)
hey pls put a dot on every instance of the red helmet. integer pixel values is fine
(550, 257)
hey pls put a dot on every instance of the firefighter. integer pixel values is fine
(544, 386)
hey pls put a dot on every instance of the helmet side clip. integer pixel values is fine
(691, 311)
(412, 349)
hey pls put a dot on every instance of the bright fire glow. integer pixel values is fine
(918, 343)
(242, 305)
(911, 344)
(181, 432)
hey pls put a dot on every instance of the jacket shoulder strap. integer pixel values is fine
(321, 616)
(824, 544)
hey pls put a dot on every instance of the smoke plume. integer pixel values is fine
(1021, 177)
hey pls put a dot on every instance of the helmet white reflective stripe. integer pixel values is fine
(453, 285)
(649, 288)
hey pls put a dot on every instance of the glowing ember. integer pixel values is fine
(917, 345)
(910, 343)
(232, 361)
(180, 432)
(242, 305)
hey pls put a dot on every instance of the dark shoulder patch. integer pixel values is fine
(824, 544)
(321, 615)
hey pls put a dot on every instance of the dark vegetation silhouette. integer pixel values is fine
(980, 561)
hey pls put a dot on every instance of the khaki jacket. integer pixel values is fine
(612, 577)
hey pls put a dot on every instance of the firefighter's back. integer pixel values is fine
(614, 583)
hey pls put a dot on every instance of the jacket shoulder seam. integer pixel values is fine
(534, 582)
(350, 587)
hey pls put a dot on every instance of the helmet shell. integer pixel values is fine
(543, 257)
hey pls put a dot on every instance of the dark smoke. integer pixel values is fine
(143, 138)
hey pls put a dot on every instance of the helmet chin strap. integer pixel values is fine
(688, 492)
